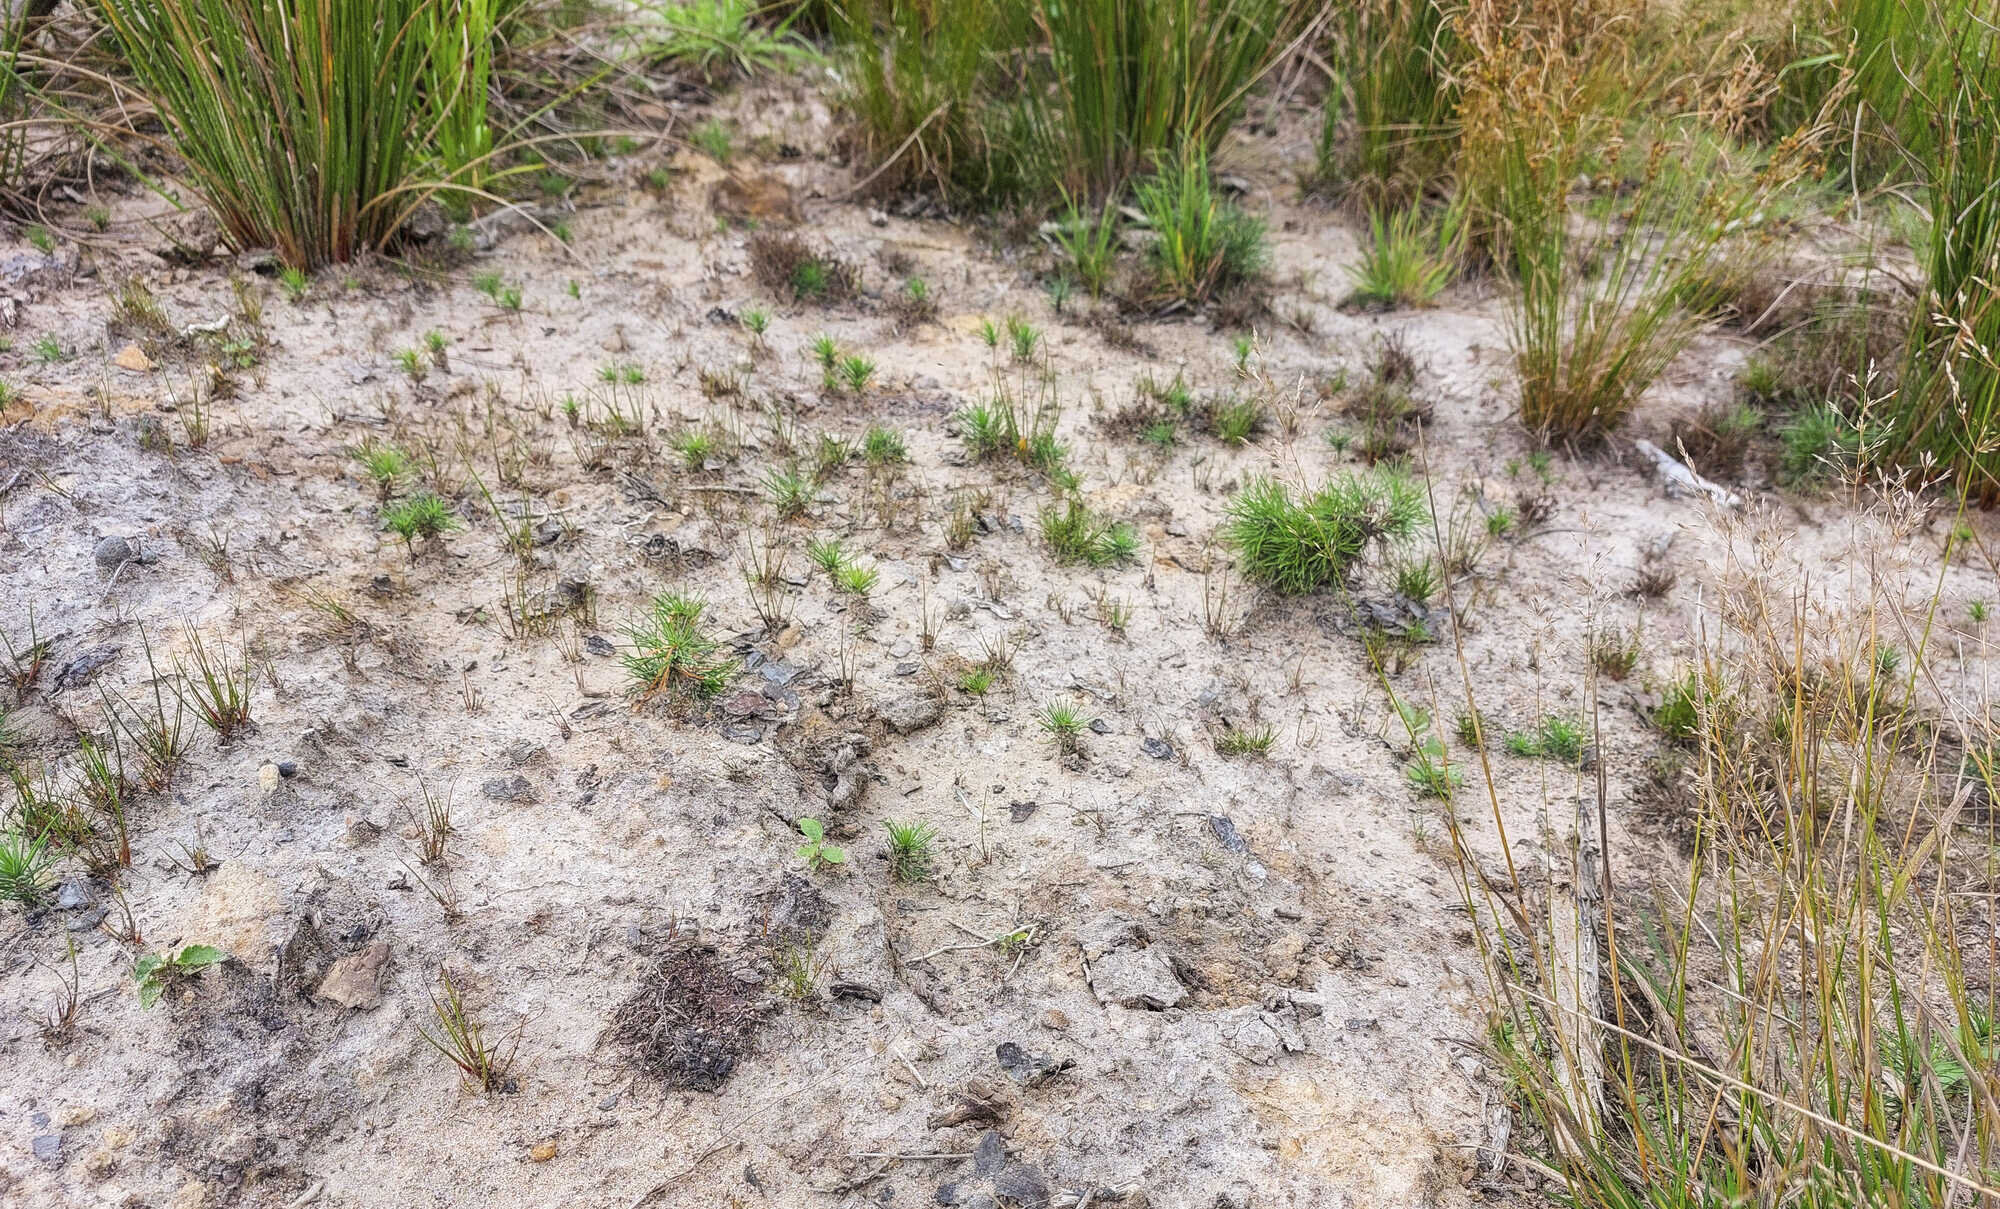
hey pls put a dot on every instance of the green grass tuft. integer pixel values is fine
(1298, 543)
(1206, 246)
(1075, 534)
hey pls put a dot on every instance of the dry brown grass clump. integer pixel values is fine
(689, 1020)
(1803, 1014)
(786, 265)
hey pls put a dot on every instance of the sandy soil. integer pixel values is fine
(1298, 913)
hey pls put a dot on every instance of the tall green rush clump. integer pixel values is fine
(1134, 79)
(991, 101)
(1610, 289)
(1946, 411)
(1298, 543)
(458, 43)
(13, 93)
(302, 122)
(1386, 135)
(914, 73)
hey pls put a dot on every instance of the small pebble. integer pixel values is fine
(113, 552)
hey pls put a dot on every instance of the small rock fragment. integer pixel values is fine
(1022, 1184)
(133, 359)
(355, 981)
(1029, 1070)
(508, 789)
(1110, 930)
(1140, 979)
(1226, 834)
(989, 1156)
(744, 704)
(1282, 956)
(113, 552)
(910, 713)
(78, 671)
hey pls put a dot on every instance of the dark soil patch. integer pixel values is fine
(689, 1021)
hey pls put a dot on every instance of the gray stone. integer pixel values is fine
(856, 949)
(1022, 1184)
(47, 1147)
(989, 1156)
(1226, 834)
(1101, 934)
(113, 552)
(87, 921)
(355, 981)
(910, 713)
(1029, 1070)
(1159, 749)
(508, 789)
(1259, 1036)
(78, 671)
(1136, 978)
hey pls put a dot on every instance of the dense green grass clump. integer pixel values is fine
(304, 124)
(1076, 534)
(1408, 258)
(990, 101)
(24, 865)
(1206, 244)
(1297, 543)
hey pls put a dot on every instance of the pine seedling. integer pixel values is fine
(910, 849)
(671, 654)
(1064, 721)
(422, 517)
